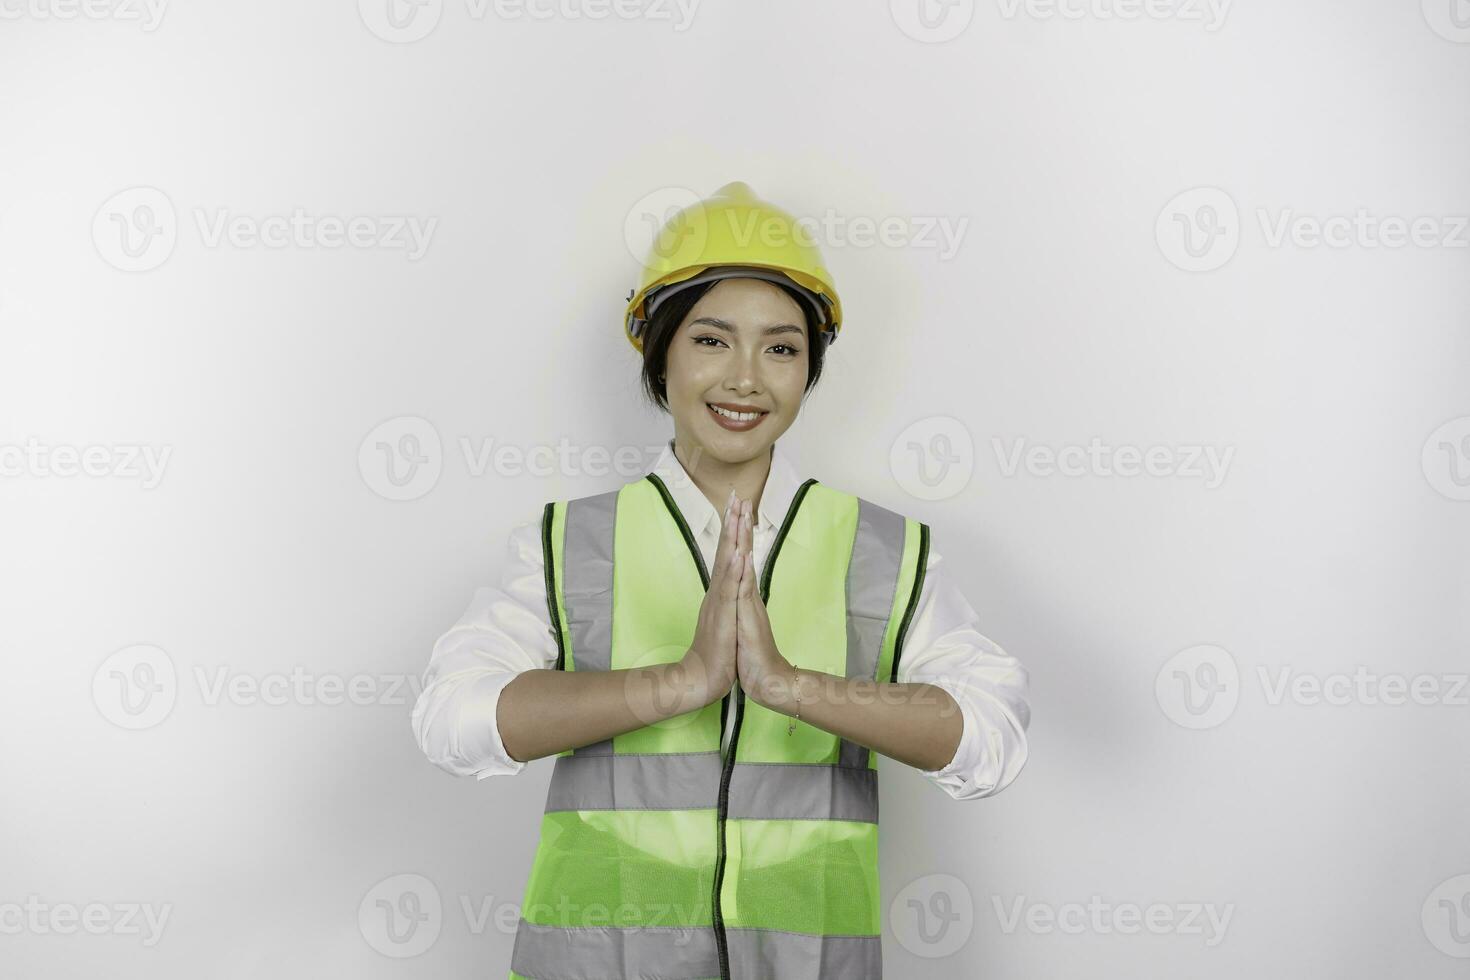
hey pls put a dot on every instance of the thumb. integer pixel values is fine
(746, 594)
(730, 576)
(750, 585)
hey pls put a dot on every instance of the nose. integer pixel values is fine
(744, 373)
(743, 382)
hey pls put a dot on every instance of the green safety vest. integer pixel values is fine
(659, 856)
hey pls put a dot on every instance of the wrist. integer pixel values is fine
(690, 681)
(784, 689)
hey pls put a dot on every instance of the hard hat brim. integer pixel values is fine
(642, 307)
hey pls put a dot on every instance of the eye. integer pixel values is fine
(707, 336)
(793, 350)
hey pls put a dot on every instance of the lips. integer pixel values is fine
(735, 425)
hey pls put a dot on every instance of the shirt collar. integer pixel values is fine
(701, 515)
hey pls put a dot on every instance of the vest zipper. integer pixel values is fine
(722, 945)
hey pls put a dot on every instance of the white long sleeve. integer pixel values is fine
(506, 630)
(945, 648)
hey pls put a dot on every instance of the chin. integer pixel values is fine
(736, 447)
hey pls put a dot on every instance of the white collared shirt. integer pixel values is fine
(507, 630)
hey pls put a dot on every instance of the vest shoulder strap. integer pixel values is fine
(911, 577)
(585, 524)
(890, 556)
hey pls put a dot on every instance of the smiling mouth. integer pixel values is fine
(749, 416)
(733, 420)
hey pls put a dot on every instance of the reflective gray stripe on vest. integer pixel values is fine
(756, 954)
(872, 581)
(691, 781)
(803, 791)
(587, 588)
(676, 781)
(596, 953)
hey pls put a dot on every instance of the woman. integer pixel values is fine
(716, 654)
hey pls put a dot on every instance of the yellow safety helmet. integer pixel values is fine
(733, 233)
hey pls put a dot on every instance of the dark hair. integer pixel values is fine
(660, 329)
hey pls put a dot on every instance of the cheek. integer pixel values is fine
(686, 377)
(790, 380)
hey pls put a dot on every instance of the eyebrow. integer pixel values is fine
(716, 322)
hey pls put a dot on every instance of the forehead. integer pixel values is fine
(739, 298)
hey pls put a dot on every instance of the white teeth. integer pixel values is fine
(737, 416)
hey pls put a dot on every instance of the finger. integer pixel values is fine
(753, 610)
(746, 616)
(742, 597)
(730, 594)
(750, 543)
(727, 543)
(744, 572)
(730, 580)
(738, 523)
(759, 620)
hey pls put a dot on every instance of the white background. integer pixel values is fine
(1331, 834)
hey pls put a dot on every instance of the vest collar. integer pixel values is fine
(781, 486)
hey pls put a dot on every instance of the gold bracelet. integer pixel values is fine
(790, 728)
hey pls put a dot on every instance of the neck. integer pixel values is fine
(715, 477)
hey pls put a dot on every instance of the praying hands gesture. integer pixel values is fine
(915, 723)
(763, 672)
(543, 712)
(733, 638)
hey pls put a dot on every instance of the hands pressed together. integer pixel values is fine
(733, 637)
